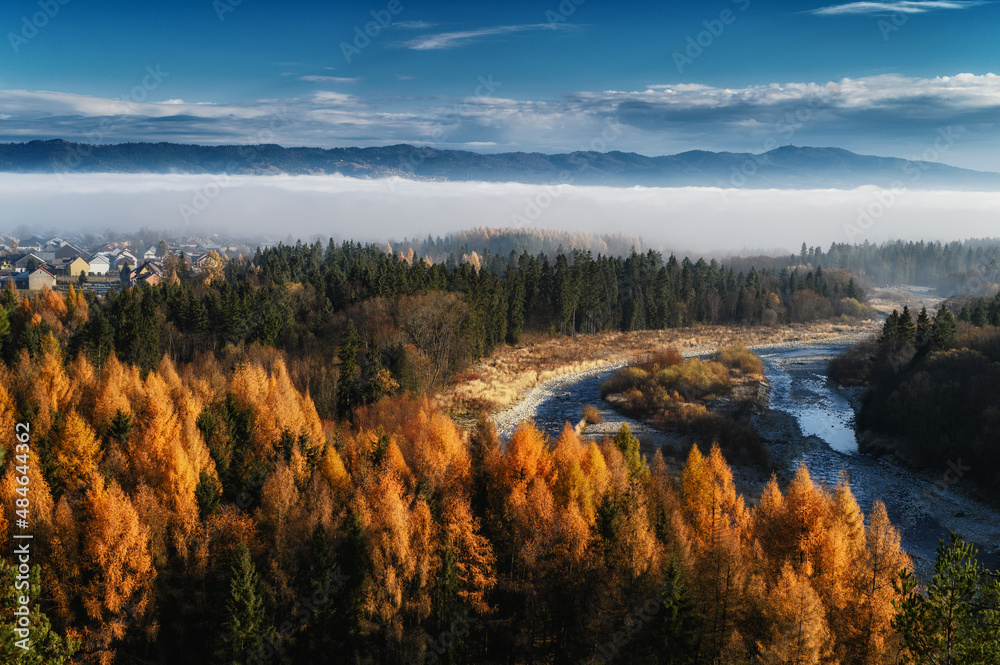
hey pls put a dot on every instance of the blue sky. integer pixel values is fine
(651, 77)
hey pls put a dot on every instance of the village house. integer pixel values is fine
(34, 280)
(29, 259)
(99, 264)
(74, 266)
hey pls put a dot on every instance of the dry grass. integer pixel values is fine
(741, 359)
(592, 415)
(510, 371)
(896, 297)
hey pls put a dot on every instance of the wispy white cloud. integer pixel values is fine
(899, 7)
(328, 79)
(449, 40)
(49, 103)
(413, 25)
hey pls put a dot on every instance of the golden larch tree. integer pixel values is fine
(104, 580)
(876, 568)
(157, 459)
(796, 622)
(77, 451)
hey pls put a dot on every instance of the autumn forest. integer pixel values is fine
(250, 466)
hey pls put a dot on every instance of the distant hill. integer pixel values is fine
(785, 167)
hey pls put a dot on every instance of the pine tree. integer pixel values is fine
(243, 628)
(372, 389)
(979, 317)
(45, 645)
(674, 635)
(958, 620)
(628, 445)
(890, 329)
(944, 328)
(322, 584)
(348, 356)
(907, 329)
(924, 330)
(208, 493)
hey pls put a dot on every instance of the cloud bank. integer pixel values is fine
(889, 114)
(695, 219)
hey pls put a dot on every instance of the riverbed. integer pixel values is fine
(808, 420)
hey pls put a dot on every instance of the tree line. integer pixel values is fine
(933, 383)
(969, 266)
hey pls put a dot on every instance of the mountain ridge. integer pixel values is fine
(785, 167)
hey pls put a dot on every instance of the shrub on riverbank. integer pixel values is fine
(854, 367)
(647, 385)
(739, 357)
(669, 392)
(592, 415)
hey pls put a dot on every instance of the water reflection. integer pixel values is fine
(800, 387)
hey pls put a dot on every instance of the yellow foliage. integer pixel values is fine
(8, 415)
(403, 563)
(158, 459)
(739, 357)
(104, 580)
(797, 623)
(112, 393)
(526, 457)
(472, 552)
(434, 451)
(334, 471)
(571, 486)
(77, 451)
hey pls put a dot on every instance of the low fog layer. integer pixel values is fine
(701, 219)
